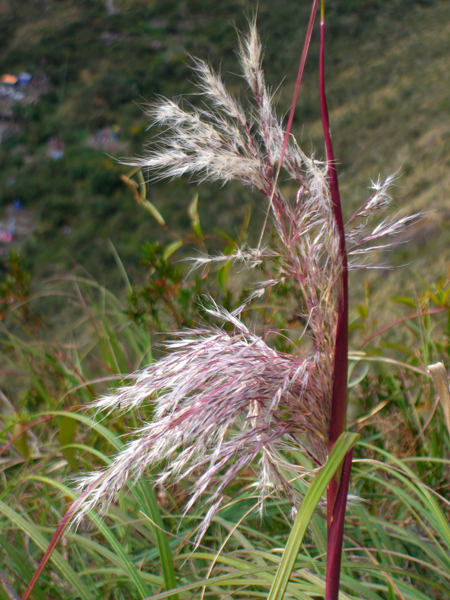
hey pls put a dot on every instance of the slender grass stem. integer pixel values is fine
(301, 68)
(338, 487)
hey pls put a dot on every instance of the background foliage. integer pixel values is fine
(387, 84)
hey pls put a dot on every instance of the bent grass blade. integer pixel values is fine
(146, 500)
(305, 514)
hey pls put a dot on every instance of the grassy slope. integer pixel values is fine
(387, 93)
(388, 90)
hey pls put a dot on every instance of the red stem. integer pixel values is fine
(336, 532)
(299, 77)
(433, 311)
(301, 68)
(339, 395)
(338, 487)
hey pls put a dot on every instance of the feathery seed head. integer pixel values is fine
(221, 399)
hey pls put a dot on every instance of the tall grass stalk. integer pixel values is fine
(338, 488)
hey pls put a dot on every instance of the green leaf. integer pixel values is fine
(125, 561)
(363, 311)
(15, 556)
(153, 211)
(172, 248)
(21, 443)
(224, 235)
(222, 275)
(195, 219)
(304, 515)
(146, 499)
(91, 423)
(30, 529)
(360, 377)
(67, 434)
(405, 300)
(399, 347)
(245, 222)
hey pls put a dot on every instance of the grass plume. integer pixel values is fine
(223, 398)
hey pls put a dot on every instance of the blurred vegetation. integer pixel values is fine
(387, 83)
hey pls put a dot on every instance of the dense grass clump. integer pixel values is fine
(396, 541)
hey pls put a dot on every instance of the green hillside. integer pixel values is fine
(94, 64)
(234, 426)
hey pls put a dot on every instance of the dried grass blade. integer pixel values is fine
(438, 373)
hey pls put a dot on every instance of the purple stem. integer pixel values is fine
(336, 532)
(338, 487)
(339, 395)
(301, 68)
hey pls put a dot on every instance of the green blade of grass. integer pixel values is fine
(91, 423)
(147, 502)
(32, 531)
(149, 506)
(100, 552)
(304, 516)
(124, 562)
(15, 556)
(434, 513)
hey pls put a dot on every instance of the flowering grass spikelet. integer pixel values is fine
(220, 400)
(223, 397)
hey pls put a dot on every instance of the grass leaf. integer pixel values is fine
(304, 516)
